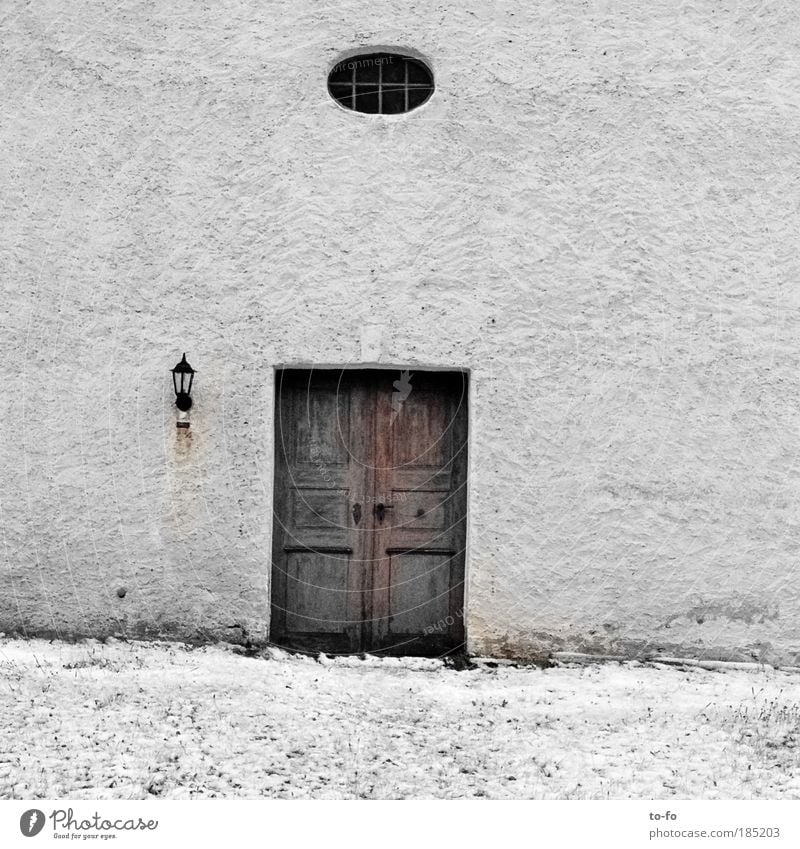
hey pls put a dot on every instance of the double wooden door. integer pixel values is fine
(370, 511)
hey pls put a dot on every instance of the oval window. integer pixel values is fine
(381, 83)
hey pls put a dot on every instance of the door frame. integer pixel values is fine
(361, 366)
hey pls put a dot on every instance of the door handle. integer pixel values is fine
(356, 513)
(380, 511)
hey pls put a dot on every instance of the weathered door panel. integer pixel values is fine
(421, 453)
(370, 511)
(320, 598)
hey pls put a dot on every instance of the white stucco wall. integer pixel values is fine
(597, 214)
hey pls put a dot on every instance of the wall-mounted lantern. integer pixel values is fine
(182, 377)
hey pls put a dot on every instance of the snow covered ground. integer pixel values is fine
(137, 720)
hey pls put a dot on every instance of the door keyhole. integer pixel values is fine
(380, 511)
(356, 513)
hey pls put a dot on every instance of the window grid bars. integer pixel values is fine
(407, 86)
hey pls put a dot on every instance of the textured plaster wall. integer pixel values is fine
(597, 213)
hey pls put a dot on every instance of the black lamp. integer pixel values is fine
(182, 377)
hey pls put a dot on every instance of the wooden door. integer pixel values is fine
(370, 511)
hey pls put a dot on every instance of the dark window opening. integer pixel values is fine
(381, 83)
